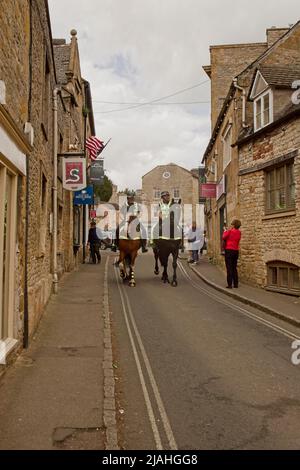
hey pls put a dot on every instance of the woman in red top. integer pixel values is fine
(231, 239)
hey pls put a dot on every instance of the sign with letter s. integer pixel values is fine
(74, 173)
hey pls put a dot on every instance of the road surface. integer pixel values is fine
(197, 370)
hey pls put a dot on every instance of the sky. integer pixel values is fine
(138, 51)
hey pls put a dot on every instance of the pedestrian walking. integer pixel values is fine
(231, 239)
(94, 242)
(196, 240)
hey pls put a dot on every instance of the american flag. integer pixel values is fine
(94, 146)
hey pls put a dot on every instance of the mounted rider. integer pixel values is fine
(130, 213)
(168, 218)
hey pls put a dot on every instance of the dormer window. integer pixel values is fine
(262, 97)
(263, 110)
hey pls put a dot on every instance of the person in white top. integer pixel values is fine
(196, 241)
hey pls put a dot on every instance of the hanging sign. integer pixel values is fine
(84, 197)
(208, 190)
(97, 172)
(74, 173)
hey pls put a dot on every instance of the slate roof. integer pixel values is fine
(282, 77)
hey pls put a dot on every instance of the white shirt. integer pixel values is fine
(198, 235)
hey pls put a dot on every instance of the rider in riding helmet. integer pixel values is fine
(130, 211)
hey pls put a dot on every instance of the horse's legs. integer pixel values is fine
(132, 282)
(122, 265)
(165, 276)
(175, 256)
(156, 268)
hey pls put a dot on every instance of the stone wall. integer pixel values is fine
(14, 72)
(14, 56)
(226, 63)
(268, 238)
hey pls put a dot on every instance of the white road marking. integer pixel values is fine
(160, 405)
(163, 414)
(267, 323)
(140, 372)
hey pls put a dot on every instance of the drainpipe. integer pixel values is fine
(55, 149)
(245, 126)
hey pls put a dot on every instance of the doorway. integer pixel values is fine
(8, 219)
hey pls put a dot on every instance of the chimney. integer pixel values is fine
(274, 33)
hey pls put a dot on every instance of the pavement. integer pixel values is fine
(59, 394)
(284, 307)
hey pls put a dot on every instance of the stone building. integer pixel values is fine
(76, 98)
(15, 146)
(28, 77)
(245, 153)
(181, 183)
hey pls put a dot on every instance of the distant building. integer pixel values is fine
(181, 183)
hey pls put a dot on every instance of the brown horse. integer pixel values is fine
(129, 245)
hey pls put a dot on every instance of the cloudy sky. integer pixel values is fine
(138, 51)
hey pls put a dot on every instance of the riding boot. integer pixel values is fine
(144, 246)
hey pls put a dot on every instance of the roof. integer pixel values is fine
(280, 76)
(169, 164)
(272, 47)
(62, 53)
(232, 88)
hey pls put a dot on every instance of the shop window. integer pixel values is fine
(283, 277)
(76, 226)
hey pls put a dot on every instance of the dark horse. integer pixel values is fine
(129, 245)
(167, 238)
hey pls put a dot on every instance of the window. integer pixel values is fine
(76, 226)
(157, 193)
(43, 214)
(8, 221)
(176, 193)
(263, 110)
(227, 139)
(280, 188)
(46, 109)
(283, 277)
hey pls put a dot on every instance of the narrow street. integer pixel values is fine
(197, 370)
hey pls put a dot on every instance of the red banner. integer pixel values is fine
(208, 190)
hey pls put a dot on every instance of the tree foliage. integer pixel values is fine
(104, 191)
